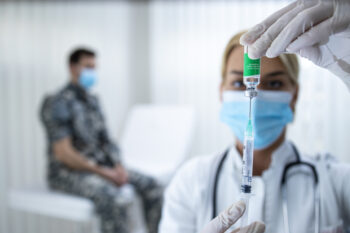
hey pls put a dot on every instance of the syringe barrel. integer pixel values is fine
(247, 168)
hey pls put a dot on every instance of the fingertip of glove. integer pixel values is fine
(259, 226)
(255, 227)
(253, 55)
(291, 48)
(241, 205)
(245, 39)
(271, 53)
(251, 35)
(237, 209)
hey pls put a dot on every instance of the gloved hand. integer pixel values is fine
(228, 217)
(318, 30)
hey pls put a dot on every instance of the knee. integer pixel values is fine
(155, 191)
(104, 202)
(110, 205)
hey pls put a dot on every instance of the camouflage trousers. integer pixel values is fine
(108, 201)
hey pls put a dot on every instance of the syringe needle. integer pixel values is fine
(250, 107)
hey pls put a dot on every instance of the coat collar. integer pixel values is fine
(280, 157)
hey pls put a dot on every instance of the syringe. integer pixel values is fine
(251, 78)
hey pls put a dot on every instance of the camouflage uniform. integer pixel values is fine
(75, 113)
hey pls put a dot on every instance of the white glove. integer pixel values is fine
(318, 30)
(228, 217)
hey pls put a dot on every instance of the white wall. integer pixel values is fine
(35, 39)
(187, 43)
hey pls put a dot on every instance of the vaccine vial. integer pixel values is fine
(251, 74)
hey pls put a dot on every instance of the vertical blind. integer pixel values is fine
(36, 38)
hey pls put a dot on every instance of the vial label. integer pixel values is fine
(251, 66)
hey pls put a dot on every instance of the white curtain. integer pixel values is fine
(35, 40)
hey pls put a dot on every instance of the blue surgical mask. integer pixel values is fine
(87, 78)
(270, 114)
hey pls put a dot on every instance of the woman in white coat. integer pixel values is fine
(206, 186)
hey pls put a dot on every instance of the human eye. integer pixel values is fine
(275, 84)
(271, 85)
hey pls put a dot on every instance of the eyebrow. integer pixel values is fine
(273, 74)
(236, 72)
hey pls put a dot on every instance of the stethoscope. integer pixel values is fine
(287, 167)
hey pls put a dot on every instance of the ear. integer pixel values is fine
(295, 98)
(74, 72)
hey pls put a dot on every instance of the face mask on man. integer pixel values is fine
(270, 114)
(87, 78)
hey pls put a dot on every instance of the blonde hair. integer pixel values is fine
(290, 61)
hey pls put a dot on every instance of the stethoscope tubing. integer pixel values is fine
(298, 162)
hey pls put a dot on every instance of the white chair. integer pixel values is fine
(157, 139)
(45, 202)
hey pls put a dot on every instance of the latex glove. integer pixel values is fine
(228, 217)
(318, 30)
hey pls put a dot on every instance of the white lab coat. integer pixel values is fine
(188, 198)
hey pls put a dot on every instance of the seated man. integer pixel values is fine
(82, 158)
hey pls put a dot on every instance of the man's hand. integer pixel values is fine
(227, 218)
(107, 173)
(117, 175)
(122, 174)
(65, 152)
